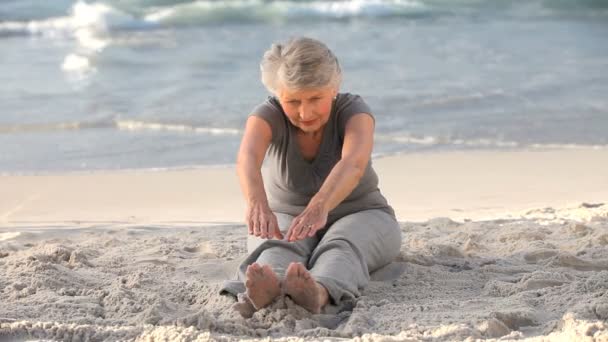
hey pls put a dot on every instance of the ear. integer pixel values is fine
(335, 93)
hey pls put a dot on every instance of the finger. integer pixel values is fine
(264, 229)
(277, 234)
(269, 230)
(256, 228)
(296, 232)
(304, 232)
(272, 227)
(275, 228)
(250, 226)
(290, 231)
(288, 234)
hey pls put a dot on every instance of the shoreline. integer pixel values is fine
(193, 167)
(461, 185)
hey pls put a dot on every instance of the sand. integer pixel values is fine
(528, 263)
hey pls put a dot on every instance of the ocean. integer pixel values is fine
(162, 84)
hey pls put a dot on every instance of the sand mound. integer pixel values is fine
(543, 277)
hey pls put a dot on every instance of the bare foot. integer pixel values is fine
(262, 285)
(303, 289)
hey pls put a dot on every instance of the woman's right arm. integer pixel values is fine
(261, 221)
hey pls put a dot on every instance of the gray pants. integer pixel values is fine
(340, 257)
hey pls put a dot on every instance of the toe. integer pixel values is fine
(292, 269)
(254, 271)
(266, 270)
(269, 272)
(255, 266)
(301, 270)
(250, 272)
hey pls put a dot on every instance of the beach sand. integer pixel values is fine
(497, 246)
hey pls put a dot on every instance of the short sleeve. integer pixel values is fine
(271, 111)
(348, 105)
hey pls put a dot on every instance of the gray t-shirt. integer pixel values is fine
(291, 181)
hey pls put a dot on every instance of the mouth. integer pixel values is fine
(308, 123)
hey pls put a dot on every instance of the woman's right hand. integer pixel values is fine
(262, 222)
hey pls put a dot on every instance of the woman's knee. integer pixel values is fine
(374, 234)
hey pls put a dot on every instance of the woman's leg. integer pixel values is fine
(352, 248)
(267, 263)
(304, 289)
(278, 254)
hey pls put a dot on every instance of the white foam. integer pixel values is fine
(353, 8)
(85, 20)
(408, 139)
(205, 11)
(74, 62)
(9, 235)
(427, 140)
(569, 146)
(485, 142)
(42, 127)
(51, 27)
(455, 99)
(161, 14)
(131, 125)
(433, 141)
(98, 14)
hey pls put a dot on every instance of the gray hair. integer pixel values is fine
(300, 63)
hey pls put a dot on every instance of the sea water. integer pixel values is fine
(132, 84)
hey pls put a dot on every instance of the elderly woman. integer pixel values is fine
(317, 222)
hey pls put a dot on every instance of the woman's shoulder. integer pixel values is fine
(271, 111)
(270, 105)
(346, 106)
(345, 98)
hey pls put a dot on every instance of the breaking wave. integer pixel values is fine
(66, 17)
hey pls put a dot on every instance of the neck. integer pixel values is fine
(314, 135)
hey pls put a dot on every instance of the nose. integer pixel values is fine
(305, 111)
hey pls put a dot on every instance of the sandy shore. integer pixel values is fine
(140, 255)
(459, 185)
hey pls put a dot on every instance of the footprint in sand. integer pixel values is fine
(532, 281)
(570, 261)
(522, 236)
(539, 254)
(539, 280)
(603, 239)
(515, 319)
(493, 328)
(444, 251)
(204, 249)
(579, 230)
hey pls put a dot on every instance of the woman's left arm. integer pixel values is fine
(341, 181)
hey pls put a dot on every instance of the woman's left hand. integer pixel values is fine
(305, 225)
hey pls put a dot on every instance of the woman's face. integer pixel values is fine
(307, 109)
